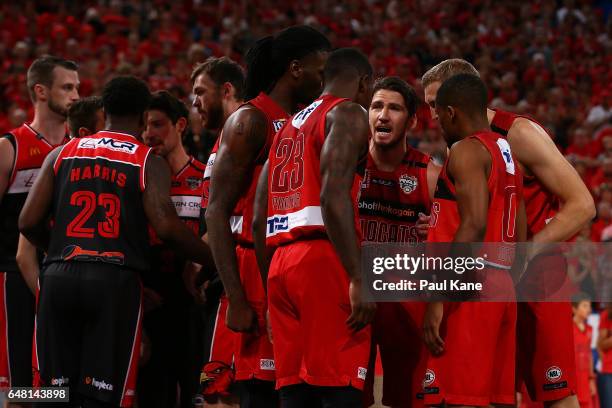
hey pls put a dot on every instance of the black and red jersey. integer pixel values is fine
(294, 178)
(185, 193)
(540, 204)
(390, 201)
(505, 191)
(98, 210)
(31, 148)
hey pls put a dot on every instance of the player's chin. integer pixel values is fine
(383, 138)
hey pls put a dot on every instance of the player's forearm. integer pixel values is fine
(572, 217)
(27, 261)
(180, 238)
(470, 231)
(38, 235)
(259, 241)
(223, 248)
(338, 216)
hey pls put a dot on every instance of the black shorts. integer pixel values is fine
(88, 330)
(17, 305)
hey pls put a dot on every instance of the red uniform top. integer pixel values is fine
(390, 201)
(504, 185)
(584, 371)
(294, 178)
(540, 204)
(606, 356)
(31, 148)
(242, 216)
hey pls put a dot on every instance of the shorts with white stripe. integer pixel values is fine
(88, 329)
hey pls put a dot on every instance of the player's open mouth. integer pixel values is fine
(383, 130)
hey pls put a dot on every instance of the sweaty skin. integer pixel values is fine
(244, 136)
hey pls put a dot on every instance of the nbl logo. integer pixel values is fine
(553, 374)
(430, 377)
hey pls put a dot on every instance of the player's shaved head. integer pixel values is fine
(270, 57)
(464, 92)
(347, 63)
(126, 96)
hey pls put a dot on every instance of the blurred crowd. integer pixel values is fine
(548, 59)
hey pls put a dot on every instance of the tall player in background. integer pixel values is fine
(167, 320)
(102, 193)
(85, 117)
(53, 85)
(319, 320)
(478, 198)
(558, 205)
(218, 88)
(283, 71)
(398, 185)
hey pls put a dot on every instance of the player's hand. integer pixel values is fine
(241, 317)
(431, 327)
(422, 226)
(190, 278)
(593, 386)
(362, 313)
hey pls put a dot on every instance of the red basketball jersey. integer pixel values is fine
(390, 201)
(540, 204)
(504, 185)
(294, 178)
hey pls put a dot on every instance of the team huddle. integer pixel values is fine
(311, 161)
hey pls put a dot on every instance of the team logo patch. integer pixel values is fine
(408, 183)
(193, 182)
(430, 377)
(362, 373)
(554, 374)
(266, 364)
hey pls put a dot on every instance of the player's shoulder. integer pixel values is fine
(246, 115)
(346, 112)
(197, 165)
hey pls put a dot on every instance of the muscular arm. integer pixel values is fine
(163, 218)
(347, 133)
(34, 217)
(7, 157)
(433, 171)
(260, 212)
(538, 154)
(468, 166)
(244, 135)
(27, 261)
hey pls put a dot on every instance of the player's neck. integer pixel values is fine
(50, 125)
(490, 115)
(177, 159)
(473, 127)
(232, 106)
(282, 95)
(580, 322)
(121, 125)
(388, 158)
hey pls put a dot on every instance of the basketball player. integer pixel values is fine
(167, 324)
(102, 192)
(218, 87)
(85, 117)
(399, 184)
(53, 85)
(477, 196)
(284, 71)
(319, 320)
(558, 205)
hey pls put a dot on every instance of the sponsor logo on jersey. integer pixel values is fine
(278, 223)
(266, 364)
(361, 373)
(108, 143)
(34, 151)
(301, 116)
(23, 182)
(277, 124)
(99, 384)
(408, 183)
(430, 377)
(130, 393)
(76, 253)
(504, 148)
(193, 182)
(60, 381)
(554, 374)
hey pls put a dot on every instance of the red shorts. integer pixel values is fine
(309, 305)
(477, 366)
(545, 350)
(253, 355)
(397, 331)
(223, 339)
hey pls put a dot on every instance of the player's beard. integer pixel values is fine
(57, 108)
(392, 144)
(214, 116)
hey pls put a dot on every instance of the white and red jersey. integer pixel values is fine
(540, 204)
(294, 178)
(505, 190)
(390, 201)
(241, 220)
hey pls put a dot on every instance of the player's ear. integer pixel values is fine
(41, 92)
(83, 131)
(452, 112)
(228, 90)
(181, 124)
(295, 68)
(412, 122)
